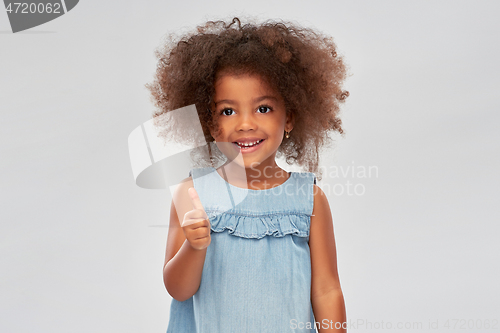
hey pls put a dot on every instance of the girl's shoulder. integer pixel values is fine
(305, 177)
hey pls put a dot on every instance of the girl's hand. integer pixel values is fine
(196, 225)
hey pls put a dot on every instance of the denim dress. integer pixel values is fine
(257, 270)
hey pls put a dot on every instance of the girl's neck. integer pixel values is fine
(257, 177)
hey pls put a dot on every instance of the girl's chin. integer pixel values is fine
(243, 162)
(250, 163)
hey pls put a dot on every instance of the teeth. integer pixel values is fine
(248, 144)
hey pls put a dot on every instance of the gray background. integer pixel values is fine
(81, 246)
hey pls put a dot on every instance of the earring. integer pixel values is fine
(287, 134)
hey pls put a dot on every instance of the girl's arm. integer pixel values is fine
(326, 294)
(183, 263)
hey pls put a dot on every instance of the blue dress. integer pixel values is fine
(257, 271)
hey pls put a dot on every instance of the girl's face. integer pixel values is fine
(251, 117)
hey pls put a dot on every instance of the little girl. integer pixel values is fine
(251, 247)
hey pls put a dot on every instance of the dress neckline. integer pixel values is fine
(249, 189)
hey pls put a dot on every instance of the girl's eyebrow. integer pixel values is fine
(256, 100)
(259, 99)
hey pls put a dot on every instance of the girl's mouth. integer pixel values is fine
(248, 145)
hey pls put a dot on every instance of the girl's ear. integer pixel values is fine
(289, 122)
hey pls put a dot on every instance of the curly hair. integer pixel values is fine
(300, 63)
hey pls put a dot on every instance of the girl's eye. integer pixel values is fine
(227, 112)
(264, 109)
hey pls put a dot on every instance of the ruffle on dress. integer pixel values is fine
(259, 226)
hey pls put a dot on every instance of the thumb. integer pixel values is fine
(195, 199)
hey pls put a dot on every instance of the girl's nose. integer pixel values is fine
(246, 122)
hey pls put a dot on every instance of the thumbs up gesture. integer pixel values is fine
(196, 225)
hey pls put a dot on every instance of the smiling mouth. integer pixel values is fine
(247, 145)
